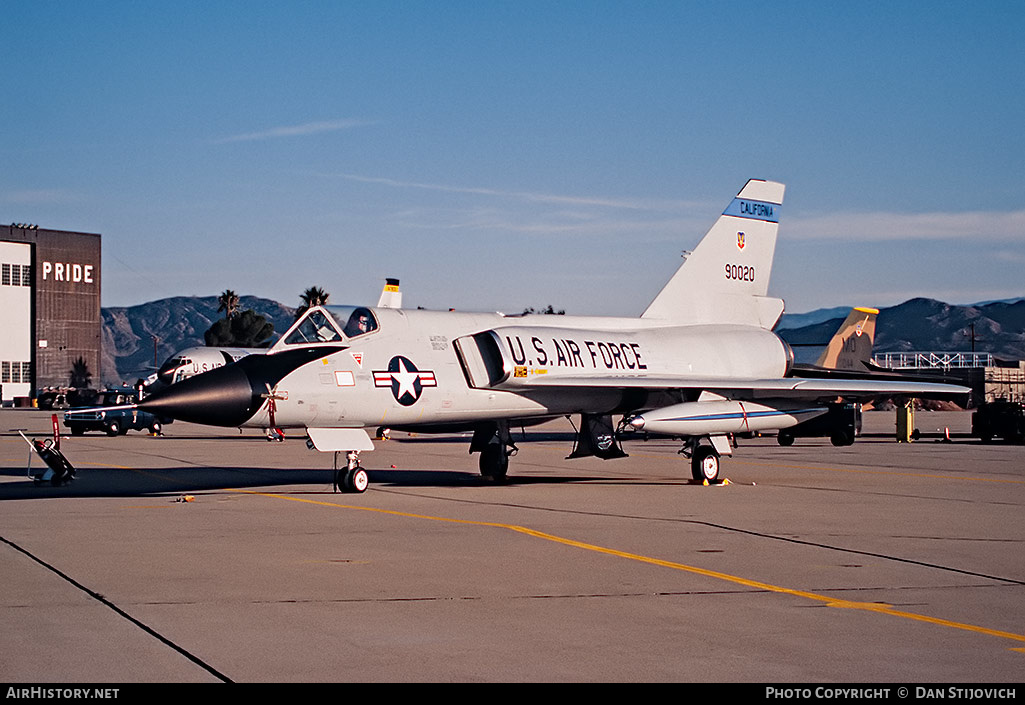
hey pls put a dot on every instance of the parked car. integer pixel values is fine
(114, 421)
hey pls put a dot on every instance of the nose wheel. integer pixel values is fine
(356, 480)
(352, 477)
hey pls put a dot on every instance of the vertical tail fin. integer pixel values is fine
(851, 347)
(726, 278)
(391, 297)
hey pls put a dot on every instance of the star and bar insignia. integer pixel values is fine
(406, 382)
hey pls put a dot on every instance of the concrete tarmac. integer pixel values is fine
(879, 562)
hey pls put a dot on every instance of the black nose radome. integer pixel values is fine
(221, 397)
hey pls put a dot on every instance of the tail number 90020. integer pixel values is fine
(740, 272)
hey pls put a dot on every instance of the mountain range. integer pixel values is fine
(929, 325)
(918, 324)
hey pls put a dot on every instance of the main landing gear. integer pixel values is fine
(493, 442)
(352, 477)
(704, 464)
(704, 453)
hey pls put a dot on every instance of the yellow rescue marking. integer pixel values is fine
(876, 607)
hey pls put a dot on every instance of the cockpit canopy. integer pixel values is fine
(332, 324)
(168, 370)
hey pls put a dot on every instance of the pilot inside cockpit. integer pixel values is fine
(360, 322)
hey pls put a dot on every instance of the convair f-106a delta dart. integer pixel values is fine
(701, 363)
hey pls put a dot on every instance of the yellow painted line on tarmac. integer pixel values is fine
(826, 600)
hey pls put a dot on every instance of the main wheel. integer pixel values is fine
(356, 480)
(785, 438)
(842, 438)
(704, 464)
(494, 462)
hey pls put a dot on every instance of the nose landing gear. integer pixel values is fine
(352, 477)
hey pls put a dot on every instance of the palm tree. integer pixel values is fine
(81, 377)
(246, 330)
(228, 302)
(314, 296)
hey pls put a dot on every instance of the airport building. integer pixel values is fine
(988, 377)
(49, 308)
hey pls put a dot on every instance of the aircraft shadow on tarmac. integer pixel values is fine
(172, 482)
(517, 437)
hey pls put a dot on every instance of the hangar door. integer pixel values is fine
(15, 320)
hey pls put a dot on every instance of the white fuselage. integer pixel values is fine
(415, 368)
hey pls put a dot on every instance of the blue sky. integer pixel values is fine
(499, 155)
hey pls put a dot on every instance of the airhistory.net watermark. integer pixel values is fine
(48, 693)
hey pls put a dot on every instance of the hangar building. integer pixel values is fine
(49, 308)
